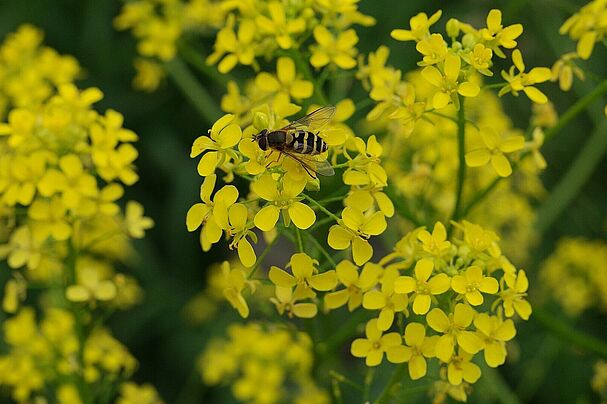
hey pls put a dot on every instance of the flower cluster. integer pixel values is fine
(260, 361)
(30, 72)
(451, 300)
(587, 27)
(44, 356)
(158, 26)
(264, 27)
(277, 187)
(574, 277)
(65, 230)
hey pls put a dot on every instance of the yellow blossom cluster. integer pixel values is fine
(44, 355)
(65, 230)
(158, 25)
(30, 72)
(437, 299)
(587, 27)
(277, 186)
(261, 360)
(574, 277)
(599, 379)
(261, 28)
(424, 166)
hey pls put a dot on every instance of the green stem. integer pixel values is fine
(338, 399)
(300, 244)
(322, 208)
(343, 379)
(263, 255)
(572, 182)
(569, 334)
(323, 251)
(332, 199)
(461, 150)
(575, 109)
(492, 380)
(304, 68)
(368, 382)
(196, 59)
(401, 205)
(397, 376)
(495, 85)
(189, 86)
(480, 195)
(564, 119)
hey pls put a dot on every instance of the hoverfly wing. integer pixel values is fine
(323, 167)
(311, 165)
(314, 120)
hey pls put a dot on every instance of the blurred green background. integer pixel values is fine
(171, 266)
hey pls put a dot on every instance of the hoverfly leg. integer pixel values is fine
(268, 165)
(308, 171)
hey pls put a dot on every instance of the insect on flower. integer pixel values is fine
(300, 141)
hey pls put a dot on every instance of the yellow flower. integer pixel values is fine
(237, 225)
(480, 58)
(525, 81)
(564, 69)
(72, 181)
(223, 136)
(90, 287)
(149, 75)
(285, 80)
(279, 25)
(365, 169)
(22, 249)
(422, 285)
(386, 300)
(494, 150)
(472, 283)
(136, 224)
(420, 27)
(131, 393)
(373, 347)
(514, 289)
(305, 276)
(418, 347)
(433, 48)
(356, 284)
(494, 332)
(204, 213)
(329, 49)
(453, 327)
(238, 47)
(235, 281)
(285, 200)
(436, 243)
(355, 229)
(287, 301)
(49, 219)
(587, 26)
(447, 83)
(461, 369)
(496, 35)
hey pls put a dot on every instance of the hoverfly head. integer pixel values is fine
(262, 139)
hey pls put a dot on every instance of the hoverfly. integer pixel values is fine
(300, 141)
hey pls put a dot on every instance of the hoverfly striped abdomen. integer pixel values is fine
(306, 142)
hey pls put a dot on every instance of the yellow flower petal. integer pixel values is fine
(266, 218)
(302, 215)
(281, 278)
